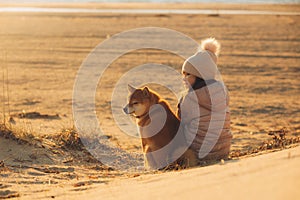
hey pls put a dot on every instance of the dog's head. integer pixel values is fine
(139, 101)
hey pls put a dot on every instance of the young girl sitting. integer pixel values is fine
(204, 109)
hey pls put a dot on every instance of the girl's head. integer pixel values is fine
(203, 64)
(192, 82)
(188, 79)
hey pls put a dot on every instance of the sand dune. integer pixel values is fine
(270, 176)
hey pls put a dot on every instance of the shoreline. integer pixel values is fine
(169, 6)
(143, 11)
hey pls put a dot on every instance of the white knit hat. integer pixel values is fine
(203, 64)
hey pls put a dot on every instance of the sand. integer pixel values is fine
(271, 176)
(41, 54)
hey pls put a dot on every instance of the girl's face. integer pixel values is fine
(188, 79)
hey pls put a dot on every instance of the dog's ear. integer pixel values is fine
(146, 92)
(130, 88)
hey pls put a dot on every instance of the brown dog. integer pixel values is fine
(159, 129)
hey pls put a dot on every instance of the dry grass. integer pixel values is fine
(21, 136)
(279, 141)
(68, 140)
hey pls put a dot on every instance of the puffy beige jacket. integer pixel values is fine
(205, 116)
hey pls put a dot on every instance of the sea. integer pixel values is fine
(157, 1)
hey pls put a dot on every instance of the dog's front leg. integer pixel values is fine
(149, 159)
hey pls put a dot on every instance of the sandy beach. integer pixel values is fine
(41, 53)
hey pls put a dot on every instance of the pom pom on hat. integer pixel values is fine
(212, 45)
(203, 63)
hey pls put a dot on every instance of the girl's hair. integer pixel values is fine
(199, 83)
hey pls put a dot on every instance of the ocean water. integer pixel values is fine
(154, 1)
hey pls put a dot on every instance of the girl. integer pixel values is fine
(204, 110)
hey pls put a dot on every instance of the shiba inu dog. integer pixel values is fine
(158, 126)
